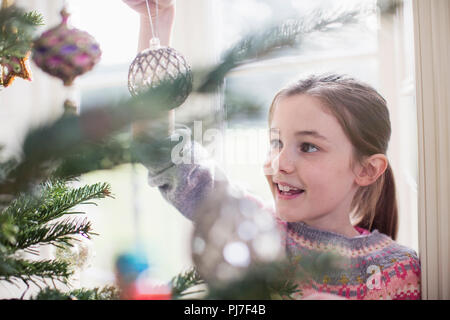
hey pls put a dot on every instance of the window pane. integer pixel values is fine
(377, 51)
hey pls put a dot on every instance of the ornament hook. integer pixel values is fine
(154, 41)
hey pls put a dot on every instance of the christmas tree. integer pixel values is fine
(42, 213)
(37, 199)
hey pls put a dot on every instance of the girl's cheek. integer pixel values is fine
(270, 165)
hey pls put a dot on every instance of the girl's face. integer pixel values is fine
(310, 152)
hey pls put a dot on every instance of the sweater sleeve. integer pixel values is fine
(181, 169)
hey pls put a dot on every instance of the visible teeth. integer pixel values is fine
(286, 188)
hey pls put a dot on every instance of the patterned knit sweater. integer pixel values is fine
(372, 265)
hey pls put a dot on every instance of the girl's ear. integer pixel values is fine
(372, 168)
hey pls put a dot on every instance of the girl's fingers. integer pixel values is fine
(141, 3)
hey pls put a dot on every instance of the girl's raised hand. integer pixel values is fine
(141, 7)
(163, 23)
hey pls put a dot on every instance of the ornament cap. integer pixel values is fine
(154, 43)
(64, 15)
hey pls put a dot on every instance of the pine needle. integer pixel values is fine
(38, 219)
(185, 281)
(17, 28)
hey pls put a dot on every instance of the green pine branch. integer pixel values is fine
(8, 232)
(54, 200)
(58, 199)
(105, 293)
(57, 234)
(13, 270)
(182, 283)
(288, 34)
(31, 214)
(33, 18)
(17, 29)
(38, 219)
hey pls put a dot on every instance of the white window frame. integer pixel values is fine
(432, 58)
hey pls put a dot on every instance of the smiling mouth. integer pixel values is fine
(287, 193)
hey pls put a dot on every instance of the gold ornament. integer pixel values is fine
(11, 67)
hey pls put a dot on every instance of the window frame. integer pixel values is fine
(431, 29)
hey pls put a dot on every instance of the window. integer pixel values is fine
(364, 51)
(379, 51)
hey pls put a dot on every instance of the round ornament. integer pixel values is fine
(160, 65)
(66, 52)
(130, 265)
(78, 254)
(233, 234)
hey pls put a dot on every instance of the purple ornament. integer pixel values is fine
(66, 52)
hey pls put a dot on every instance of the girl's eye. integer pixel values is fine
(308, 147)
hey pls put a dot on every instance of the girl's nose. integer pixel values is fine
(283, 162)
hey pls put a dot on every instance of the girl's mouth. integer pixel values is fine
(287, 193)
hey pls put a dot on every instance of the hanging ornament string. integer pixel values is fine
(154, 35)
(156, 17)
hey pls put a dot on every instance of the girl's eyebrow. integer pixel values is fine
(310, 133)
(314, 134)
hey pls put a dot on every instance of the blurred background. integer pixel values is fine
(379, 51)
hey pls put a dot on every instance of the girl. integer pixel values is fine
(332, 185)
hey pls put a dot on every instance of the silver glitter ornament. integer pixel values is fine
(157, 65)
(232, 235)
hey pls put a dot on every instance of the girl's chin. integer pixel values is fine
(288, 215)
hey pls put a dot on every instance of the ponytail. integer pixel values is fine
(377, 204)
